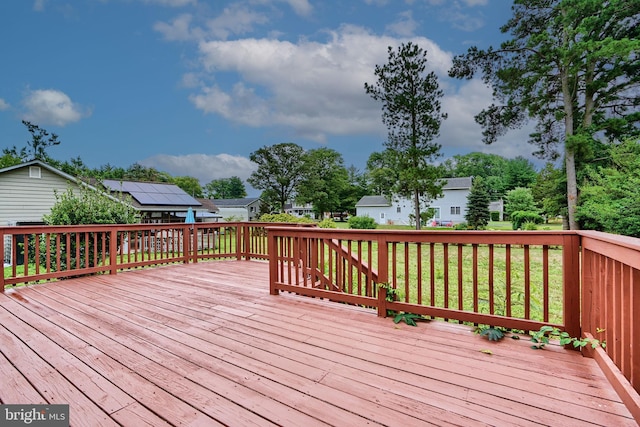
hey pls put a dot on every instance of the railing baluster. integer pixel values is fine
(492, 297)
(527, 284)
(460, 280)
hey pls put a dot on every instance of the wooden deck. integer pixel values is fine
(205, 344)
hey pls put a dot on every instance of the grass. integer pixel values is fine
(492, 226)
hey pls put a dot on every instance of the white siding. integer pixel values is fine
(28, 199)
(400, 209)
(239, 214)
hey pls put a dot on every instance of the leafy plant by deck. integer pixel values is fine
(84, 206)
(547, 333)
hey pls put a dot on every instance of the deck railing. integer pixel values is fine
(40, 253)
(512, 279)
(518, 280)
(611, 308)
(586, 283)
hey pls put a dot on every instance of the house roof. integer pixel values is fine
(153, 194)
(373, 201)
(449, 184)
(208, 204)
(58, 172)
(463, 183)
(235, 203)
(45, 166)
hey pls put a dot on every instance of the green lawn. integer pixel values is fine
(493, 225)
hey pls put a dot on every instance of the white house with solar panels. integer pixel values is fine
(450, 209)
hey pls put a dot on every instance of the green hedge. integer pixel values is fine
(362, 223)
(518, 218)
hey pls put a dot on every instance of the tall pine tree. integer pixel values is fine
(478, 214)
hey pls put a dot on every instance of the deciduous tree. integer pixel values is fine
(189, 184)
(324, 180)
(225, 188)
(520, 199)
(411, 111)
(40, 141)
(280, 169)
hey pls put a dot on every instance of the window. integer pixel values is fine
(436, 213)
(381, 215)
(398, 210)
(34, 172)
(455, 210)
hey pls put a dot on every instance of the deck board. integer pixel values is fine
(205, 344)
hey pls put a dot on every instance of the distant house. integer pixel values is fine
(212, 213)
(246, 209)
(450, 208)
(497, 206)
(299, 210)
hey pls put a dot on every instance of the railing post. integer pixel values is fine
(587, 288)
(2, 249)
(273, 262)
(113, 250)
(571, 284)
(383, 274)
(247, 242)
(239, 240)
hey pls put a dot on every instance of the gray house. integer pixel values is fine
(450, 208)
(27, 194)
(246, 209)
(27, 191)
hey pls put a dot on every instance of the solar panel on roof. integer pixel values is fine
(143, 198)
(147, 193)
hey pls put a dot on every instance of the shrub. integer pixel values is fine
(81, 207)
(495, 216)
(362, 223)
(461, 226)
(518, 218)
(327, 223)
(284, 217)
(529, 226)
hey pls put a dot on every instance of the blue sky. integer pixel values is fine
(192, 87)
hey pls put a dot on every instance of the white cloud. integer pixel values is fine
(316, 88)
(404, 26)
(38, 5)
(475, 2)
(235, 19)
(204, 167)
(301, 7)
(179, 29)
(461, 18)
(172, 3)
(4, 105)
(460, 132)
(51, 106)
